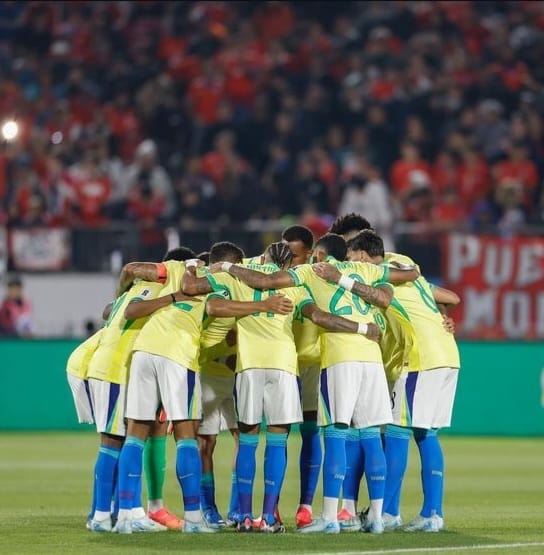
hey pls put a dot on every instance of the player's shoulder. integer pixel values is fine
(399, 259)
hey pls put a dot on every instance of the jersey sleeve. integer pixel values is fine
(221, 285)
(300, 274)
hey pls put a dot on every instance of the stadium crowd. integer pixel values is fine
(183, 112)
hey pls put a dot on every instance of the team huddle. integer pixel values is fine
(336, 335)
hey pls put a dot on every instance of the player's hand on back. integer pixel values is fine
(216, 267)
(278, 304)
(374, 333)
(326, 271)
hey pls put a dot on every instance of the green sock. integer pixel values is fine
(155, 466)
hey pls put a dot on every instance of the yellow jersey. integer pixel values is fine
(330, 297)
(306, 335)
(111, 361)
(254, 260)
(214, 347)
(174, 331)
(78, 362)
(265, 340)
(422, 341)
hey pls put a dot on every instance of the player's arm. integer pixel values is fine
(138, 308)
(331, 322)
(379, 296)
(445, 297)
(223, 308)
(401, 275)
(147, 271)
(256, 280)
(193, 285)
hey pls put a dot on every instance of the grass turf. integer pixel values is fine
(494, 496)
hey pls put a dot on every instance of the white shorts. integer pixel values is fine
(156, 380)
(82, 399)
(108, 400)
(309, 385)
(269, 392)
(424, 399)
(354, 393)
(218, 412)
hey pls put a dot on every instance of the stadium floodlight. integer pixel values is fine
(10, 130)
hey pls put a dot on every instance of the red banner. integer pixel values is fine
(39, 249)
(501, 285)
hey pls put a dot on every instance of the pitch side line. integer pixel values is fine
(435, 549)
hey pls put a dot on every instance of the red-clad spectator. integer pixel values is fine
(216, 163)
(448, 211)
(124, 124)
(274, 20)
(240, 88)
(402, 169)
(445, 172)
(474, 181)
(15, 311)
(205, 94)
(519, 168)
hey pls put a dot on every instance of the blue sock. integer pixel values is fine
(93, 500)
(104, 474)
(245, 472)
(311, 454)
(130, 472)
(188, 471)
(207, 491)
(397, 441)
(432, 471)
(234, 505)
(354, 465)
(275, 464)
(375, 468)
(116, 497)
(334, 463)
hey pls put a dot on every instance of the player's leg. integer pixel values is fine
(434, 394)
(155, 473)
(143, 401)
(311, 453)
(373, 409)
(281, 408)
(108, 404)
(339, 386)
(248, 398)
(347, 517)
(181, 396)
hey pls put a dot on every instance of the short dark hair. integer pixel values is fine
(334, 244)
(179, 253)
(280, 253)
(368, 241)
(298, 233)
(227, 251)
(350, 222)
(205, 257)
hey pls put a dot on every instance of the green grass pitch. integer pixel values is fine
(494, 502)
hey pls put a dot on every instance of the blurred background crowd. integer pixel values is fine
(182, 112)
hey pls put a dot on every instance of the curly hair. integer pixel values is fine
(350, 222)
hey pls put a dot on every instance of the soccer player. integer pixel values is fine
(300, 241)
(164, 371)
(108, 374)
(353, 389)
(423, 365)
(266, 377)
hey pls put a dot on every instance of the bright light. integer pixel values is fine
(10, 130)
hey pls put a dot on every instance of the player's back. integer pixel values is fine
(344, 347)
(174, 330)
(414, 307)
(78, 361)
(265, 340)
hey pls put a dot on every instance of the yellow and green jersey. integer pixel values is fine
(416, 339)
(253, 260)
(214, 348)
(78, 362)
(306, 335)
(111, 361)
(265, 340)
(174, 331)
(330, 297)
